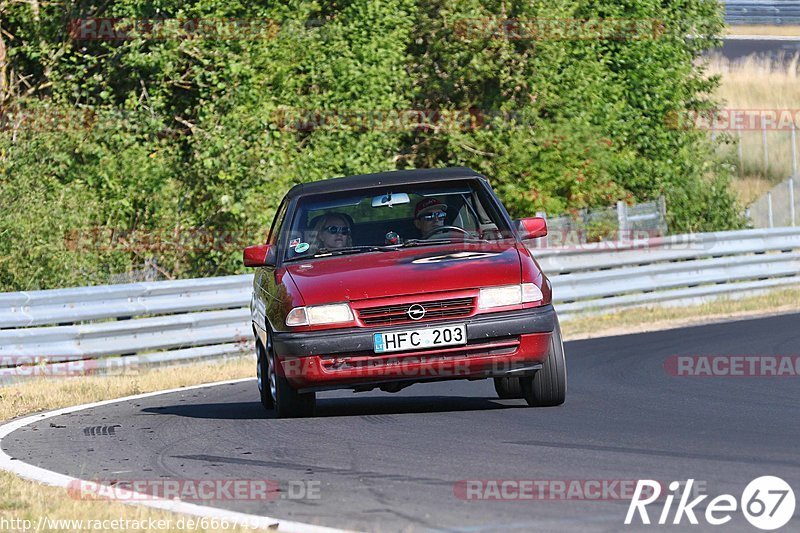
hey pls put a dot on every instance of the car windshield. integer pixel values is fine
(381, 220)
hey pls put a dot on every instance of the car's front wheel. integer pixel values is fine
(285, 400)
(262, 372)
(548, 387)
(508, 388)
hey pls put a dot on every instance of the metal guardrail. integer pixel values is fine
(148, 324)
(605, 255)
(762, 12)
(198, 319)
(674, 270)
(18, 309)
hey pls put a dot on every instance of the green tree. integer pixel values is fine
(177, 144)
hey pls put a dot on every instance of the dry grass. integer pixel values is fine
(750, 188)
(756, 29)
(45, 394)
(29, 501)
(758, 82)
(752, 84)
(23, 500)
(643, 319)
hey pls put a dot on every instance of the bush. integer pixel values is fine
(165, 138)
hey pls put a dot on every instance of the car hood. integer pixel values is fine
(405, 271)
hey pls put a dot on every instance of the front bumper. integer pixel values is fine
(498, 344)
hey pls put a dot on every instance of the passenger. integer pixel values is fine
(332, 231)
(429, 215)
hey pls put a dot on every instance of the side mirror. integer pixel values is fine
(531, 228)
(259, 255)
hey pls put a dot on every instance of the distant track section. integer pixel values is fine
(772, 46)
(762, 12)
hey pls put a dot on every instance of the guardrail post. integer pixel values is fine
(791, 198)
(622, 220)
(741, 154)
(543, 242)
(769, 208)
(794, 151)
(766, 148)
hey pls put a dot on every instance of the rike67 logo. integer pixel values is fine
(767, 502)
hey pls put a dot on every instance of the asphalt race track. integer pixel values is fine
(739, 48)
(389, 462)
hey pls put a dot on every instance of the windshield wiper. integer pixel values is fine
(353, 250)
(425, 242)
(429, 242)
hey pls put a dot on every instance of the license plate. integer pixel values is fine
(415, 339)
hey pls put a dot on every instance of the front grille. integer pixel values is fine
(386, 315)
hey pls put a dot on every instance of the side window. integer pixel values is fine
(277, 223)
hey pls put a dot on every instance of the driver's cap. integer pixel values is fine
(428, 205)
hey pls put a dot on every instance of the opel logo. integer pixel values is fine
(416, 312)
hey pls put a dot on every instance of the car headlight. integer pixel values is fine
(509, 295)
(313, 315)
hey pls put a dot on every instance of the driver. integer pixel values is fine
(429, 215)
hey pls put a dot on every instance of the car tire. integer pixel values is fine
(262, 371)
(508, 388)
(287, 402)
(548, 387)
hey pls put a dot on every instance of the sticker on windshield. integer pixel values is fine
(294, 242)
(301, 247)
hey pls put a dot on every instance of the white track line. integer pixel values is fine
(47, 477)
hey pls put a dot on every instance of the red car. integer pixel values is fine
(390, 279)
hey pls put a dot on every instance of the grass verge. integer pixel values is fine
(761, 29)
(749, 86)
(25, 503)
(44, 394)
(24, 500)
(642, 319)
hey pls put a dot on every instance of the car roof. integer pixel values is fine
(395, 177)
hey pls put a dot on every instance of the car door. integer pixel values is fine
(267, 293)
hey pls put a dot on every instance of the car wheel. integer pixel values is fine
(548, 387)
(288, 403)
(508, 388)
(262, 372)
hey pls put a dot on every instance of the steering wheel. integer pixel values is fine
(443, 229)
